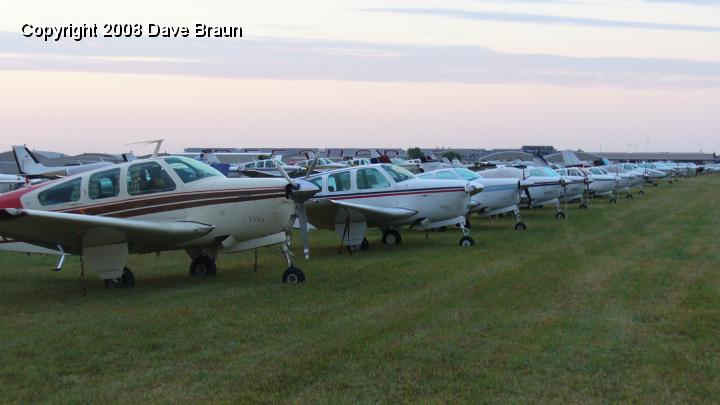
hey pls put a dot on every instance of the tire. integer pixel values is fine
(126, 280)
(391, 237)
(365, 245)
(613, 201)
(642, 192)
(293, 275)
(203, 266)
(520, 226)
(466, 241)
(560, 215)
(629, 196)
(583, 206)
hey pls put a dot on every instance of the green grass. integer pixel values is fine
(617, 303)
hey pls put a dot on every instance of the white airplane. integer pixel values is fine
(30, 166)
(542, 185)
(269, 168)
(320, 164)
(387, 197)
(499, 195)
(151, 206)
(576, 187)
(603, 183)
(9, 182)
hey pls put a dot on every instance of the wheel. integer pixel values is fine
(293, 275)
(466, 241)
(391, 237)
(629, 196)
(365, 245)
(642, 192)
(583, 206)
(613, 201)
(203, 266)
(127, 280)
(520, 226)
(560, 215)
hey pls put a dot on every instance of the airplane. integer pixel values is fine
(29, 166)
(320, 164)
(603, 183)
(388, 197)
(542, 185)
(499, 195)
(151, 206)
(9, 182)
(269, 168)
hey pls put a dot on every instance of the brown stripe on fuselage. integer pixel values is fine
(170, 202)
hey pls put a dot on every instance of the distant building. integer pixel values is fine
(698, 158)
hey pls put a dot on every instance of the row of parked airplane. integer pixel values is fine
(104, 212)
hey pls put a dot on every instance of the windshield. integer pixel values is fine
(190, 170)
(397, 173)
(467, 174)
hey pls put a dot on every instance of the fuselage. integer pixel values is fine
(167, 189)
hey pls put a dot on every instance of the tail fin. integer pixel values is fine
(27, 163)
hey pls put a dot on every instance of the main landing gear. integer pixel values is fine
(127, 280)
(203, 266)
(391, 237)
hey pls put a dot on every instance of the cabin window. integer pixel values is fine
(104, 184)
(66, 192)
(398, 173)
(270, 164)
(147, 178)
(536, 173)
(446, 176)
(190, 170)
(371, 178)
(339, 182)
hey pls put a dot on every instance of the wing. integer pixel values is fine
(73, 231)
(375, 214)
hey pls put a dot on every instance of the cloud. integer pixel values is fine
(272, 58)
(543, 19)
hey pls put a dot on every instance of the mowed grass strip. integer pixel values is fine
(616, 303)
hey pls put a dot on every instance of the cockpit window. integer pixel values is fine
(536, 173)
(397, 173)
(467, 174)
(66, 192)
(339, 182)
(426, 176)
(317, 181)
(105, 184)
(370, 178)
(446, 175)
(147, 178)
(190, 170)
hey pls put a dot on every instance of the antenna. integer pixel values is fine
(157, 142)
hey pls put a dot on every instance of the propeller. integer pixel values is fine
(312, 165)
(300, 193)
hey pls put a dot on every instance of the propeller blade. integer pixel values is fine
(312, 165)
(290, 181)
(302, 218)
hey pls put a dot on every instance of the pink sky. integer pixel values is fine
(77, 112)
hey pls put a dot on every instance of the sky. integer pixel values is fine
(608, 75)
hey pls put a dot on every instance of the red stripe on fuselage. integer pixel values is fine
(374, 195)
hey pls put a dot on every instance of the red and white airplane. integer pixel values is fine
(151, 206)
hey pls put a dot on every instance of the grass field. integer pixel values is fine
(617, 303)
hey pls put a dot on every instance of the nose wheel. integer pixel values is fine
(560, 215)
(293, 275)
(520, 226)
(466, 241)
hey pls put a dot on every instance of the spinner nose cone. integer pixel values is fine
(302, 190)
